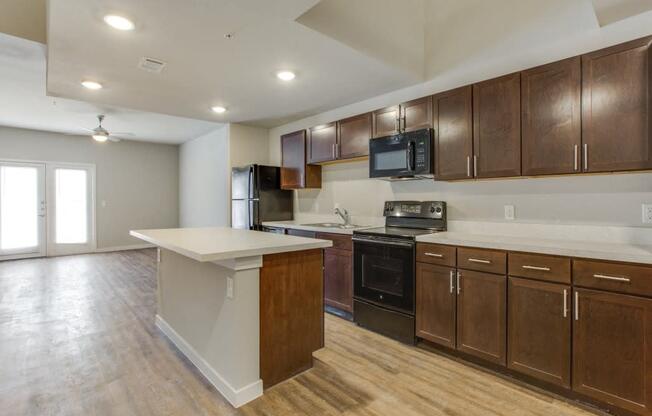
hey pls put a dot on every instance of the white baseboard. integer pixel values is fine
(124, 248)
(237, 397)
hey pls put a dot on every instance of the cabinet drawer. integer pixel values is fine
(482, 260)
(340, 241)
(539, 266)
(436, 254)
(617, 277)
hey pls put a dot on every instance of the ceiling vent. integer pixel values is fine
(151, 65)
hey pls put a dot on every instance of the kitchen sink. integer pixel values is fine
(334, 225)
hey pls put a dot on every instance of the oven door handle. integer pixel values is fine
(383, 242)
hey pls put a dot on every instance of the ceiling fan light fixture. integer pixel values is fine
(218, 109)
(100, 137)
(92, 85)
(119, 22)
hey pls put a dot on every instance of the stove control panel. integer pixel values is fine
(415, 209)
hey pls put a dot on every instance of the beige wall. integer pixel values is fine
(138, 181)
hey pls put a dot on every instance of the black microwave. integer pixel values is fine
(402, 156)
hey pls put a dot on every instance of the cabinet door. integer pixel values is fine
(355, 133)
(481, 315)
(435, 308)
(385, 121)
(453, 122)
(321, 143)
(612, 349)
(552, 129)
(497, 127)
(616, 108)
(338, 281)
(416, 114)
(295, 173)
(539, 328)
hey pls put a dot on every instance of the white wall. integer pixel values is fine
(137, 180)
(604, 199)
(204, 180)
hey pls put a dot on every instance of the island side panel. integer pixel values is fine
(291, 313)
(223, 332)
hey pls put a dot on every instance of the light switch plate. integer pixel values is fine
(229, 287)
(509, 212)
(647, 213)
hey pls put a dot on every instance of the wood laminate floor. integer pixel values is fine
(77, 337)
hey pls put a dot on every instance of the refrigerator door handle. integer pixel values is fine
(251, 190)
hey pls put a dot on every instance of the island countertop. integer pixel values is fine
(224, 243)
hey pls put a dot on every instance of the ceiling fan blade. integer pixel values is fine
(114, 139)
(122, 133)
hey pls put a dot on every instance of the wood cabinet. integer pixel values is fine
(338, 271)
(453, 130)
(539, 328)
(295, 172)
(322, 143)
(354, 135)
(551, 116)
(612, 349)
(435, 304)
(497, 127)
(481, 315)
(616, 100)
(386, 121)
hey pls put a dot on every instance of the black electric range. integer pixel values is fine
(384, 267)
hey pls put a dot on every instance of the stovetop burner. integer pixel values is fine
(409, 219)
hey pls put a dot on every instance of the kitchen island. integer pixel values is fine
(245, 307)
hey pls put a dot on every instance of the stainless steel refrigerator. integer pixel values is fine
(256, 196)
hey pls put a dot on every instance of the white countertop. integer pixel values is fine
(300, 225)
(636, 253)
(223, 243)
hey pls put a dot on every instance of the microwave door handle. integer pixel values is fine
(409, 154)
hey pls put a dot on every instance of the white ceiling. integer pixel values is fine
(205, 69)
(24, 104)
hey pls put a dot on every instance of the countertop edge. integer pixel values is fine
(326, 230)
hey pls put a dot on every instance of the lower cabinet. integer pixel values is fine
(435, 304)
(612, 349)
(539, 330)
(481, 315)
(338, 281)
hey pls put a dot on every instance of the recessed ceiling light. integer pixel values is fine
(119, 22)
(92, 85)
(285, 75)
(218, 109)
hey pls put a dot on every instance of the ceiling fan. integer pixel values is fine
(101, 134)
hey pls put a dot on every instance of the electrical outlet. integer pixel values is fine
(647, 213)
(229, 287)
(509, 212)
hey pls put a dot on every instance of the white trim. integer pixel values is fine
(124, 248)
(237, 397)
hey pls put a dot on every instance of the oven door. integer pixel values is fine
(383, 272)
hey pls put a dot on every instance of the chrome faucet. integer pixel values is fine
(344, 214)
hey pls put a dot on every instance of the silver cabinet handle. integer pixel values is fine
(565, 311)
(459, 288)
(451, 279)
(575, 163)
(577, 306)
(472, 260)
(468, 166)
(586, 156)
(540, 268)
(614, 278)
(475, 165)
(439, 256)
(333, 150)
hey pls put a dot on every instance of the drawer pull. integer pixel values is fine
(540, 268)
(472, 260)
(614, 278)
(439, 256)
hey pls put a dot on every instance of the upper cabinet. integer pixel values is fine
(551, 117)
(453, 123)
(322, 143)
(295, 172)
(354, 135)
(497, 127)
(409, 116)
(616, 108)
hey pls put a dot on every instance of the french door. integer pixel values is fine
(22, 210)
(46, 209)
